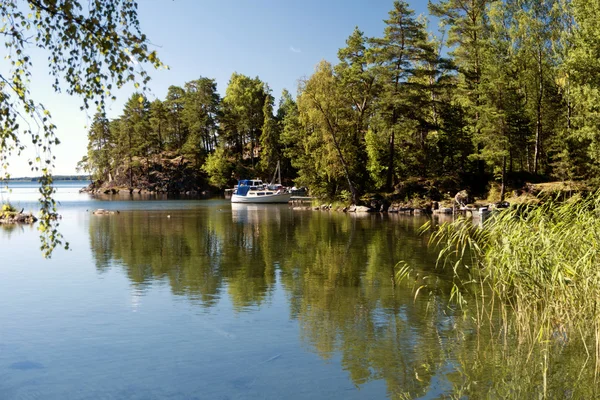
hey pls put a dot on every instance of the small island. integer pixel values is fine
(10, 215)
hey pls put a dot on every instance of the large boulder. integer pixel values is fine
(461, 198)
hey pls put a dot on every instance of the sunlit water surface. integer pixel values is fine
(196, 299)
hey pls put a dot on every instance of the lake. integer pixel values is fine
(199, 299)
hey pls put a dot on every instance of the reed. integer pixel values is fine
(534, 270)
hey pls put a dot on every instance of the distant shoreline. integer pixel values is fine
(55, 178)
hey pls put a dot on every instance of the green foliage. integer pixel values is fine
(376, 150)
(199, 114)
(90, 49)
(270, 138)
(407, 68)
(331, 142)
(243, 116)
(582, 67)
(219, 167)
(7, 210)
(176, 134)
(98, 161)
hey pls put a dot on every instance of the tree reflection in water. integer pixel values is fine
(336, 272)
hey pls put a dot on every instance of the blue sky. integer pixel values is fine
(278, 41)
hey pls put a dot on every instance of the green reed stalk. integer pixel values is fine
(541, 263)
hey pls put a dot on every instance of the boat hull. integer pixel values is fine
(271, 198)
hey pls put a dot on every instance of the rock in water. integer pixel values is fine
(102, 211)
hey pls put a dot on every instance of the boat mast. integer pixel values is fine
(278, 174)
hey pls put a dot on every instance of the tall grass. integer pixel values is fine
(533, 270)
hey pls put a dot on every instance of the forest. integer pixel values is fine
(505, 92)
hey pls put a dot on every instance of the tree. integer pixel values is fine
(358, 83)
(290, 128)
(158, 123)
(571, 157)
(468, 29)
(100, 143)
(402, 47)
(532, 28)
(201, 106)
(324, 115)
(584, 74)
(497, 98)
(176, 129)
(218, 167)
(91, 46)
(243, 114)
(270, 141)
(134, 129)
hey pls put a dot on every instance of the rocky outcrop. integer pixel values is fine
(167, 173)
(17, 218)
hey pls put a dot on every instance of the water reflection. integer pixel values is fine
(8, 230)
(254, 213)
(335, 272)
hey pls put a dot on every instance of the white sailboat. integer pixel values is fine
(255, 191)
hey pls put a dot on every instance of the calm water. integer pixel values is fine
(196, 299)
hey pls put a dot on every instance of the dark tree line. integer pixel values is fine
(511, 91)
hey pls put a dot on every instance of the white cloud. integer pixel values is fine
(295, 50)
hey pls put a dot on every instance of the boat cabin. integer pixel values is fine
(244, 187)
(254, 184)
(262, 193)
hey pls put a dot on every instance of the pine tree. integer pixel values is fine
(404, 45)
(99, 148)
(199, 114)
(176, 129)
(270, 141)
(468, 29)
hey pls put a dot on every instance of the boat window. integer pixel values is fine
(269, 192)
(260, 193)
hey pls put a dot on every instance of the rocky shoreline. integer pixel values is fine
(394, 208)
(430, 208)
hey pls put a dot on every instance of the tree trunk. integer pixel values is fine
(130, 163)
(160, 138)
(353, 191)
(538, 125)
(252, 150)
(332, 132)
(503, 186)
(390, 173)
(148, 169)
